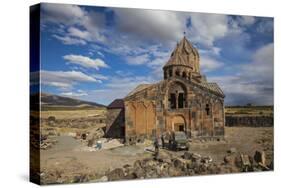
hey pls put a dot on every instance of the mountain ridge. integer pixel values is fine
(48, 100)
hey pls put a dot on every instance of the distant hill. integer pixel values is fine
(56, 102)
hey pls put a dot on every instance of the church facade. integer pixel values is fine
(182, 101)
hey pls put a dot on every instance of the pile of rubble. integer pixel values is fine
(46, 142)
(70, 171)
(102, 144)
(165, 164)
(94, 140)
(89, 136)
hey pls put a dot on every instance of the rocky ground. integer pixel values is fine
(243, 150)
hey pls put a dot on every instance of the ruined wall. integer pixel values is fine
(249, 121)
(115, 123)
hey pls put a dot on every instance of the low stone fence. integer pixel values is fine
(248, 121)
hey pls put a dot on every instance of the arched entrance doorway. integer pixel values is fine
(178, 123)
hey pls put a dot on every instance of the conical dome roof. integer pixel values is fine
(184, 54)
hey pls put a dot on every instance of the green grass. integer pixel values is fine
(249, 110)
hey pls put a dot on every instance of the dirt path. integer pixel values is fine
(67, 151)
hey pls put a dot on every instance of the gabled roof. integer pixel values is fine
(139, 88)
(116, 104)
(178, 55)
(213, 87)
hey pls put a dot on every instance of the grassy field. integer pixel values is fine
(249, 110)
(73, 114)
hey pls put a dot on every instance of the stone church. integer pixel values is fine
(182, 101)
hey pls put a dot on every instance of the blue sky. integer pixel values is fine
(100, 54)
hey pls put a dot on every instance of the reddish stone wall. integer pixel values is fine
(140, 118)
(148, 112)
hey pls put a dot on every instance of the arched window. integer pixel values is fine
(177, 73)
(184, 74)
(177, 96)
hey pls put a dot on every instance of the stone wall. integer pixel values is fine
(140, 118)
(115, 123)
(249, 121)
(149, 113)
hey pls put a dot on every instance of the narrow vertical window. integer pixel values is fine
(181, 100)
(207, 109)
(173, 101)
(170, 73)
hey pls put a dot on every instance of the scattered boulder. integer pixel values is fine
(163, 156)
(103, 179)
(91, 142)
(179, 163)
(167, 165)
(260, 157)
(187, 155)
(196, 157)
(245, 163)
(51, 120)
(173, 172)
(230, 160)
(116, 174)
(80, 179)
(207, 159)
(83, 136)
(138, 173)
(232, 150)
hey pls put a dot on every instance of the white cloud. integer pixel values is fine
(61, 13)
(206, 28)
(100, 54)
(75, 32)
(85, 61)
(69, 17)
(209, 64)
(138, 60)
(118, 87)
(151, 24)
(100, 77)
(246, 20)
(254, 83)
(69, 40)
(261, 68)
(128, 83)
(146, 37)
(104, 96)
(64, 79)
(264, 55)
(74, 94)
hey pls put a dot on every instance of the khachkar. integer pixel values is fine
(182, 101)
